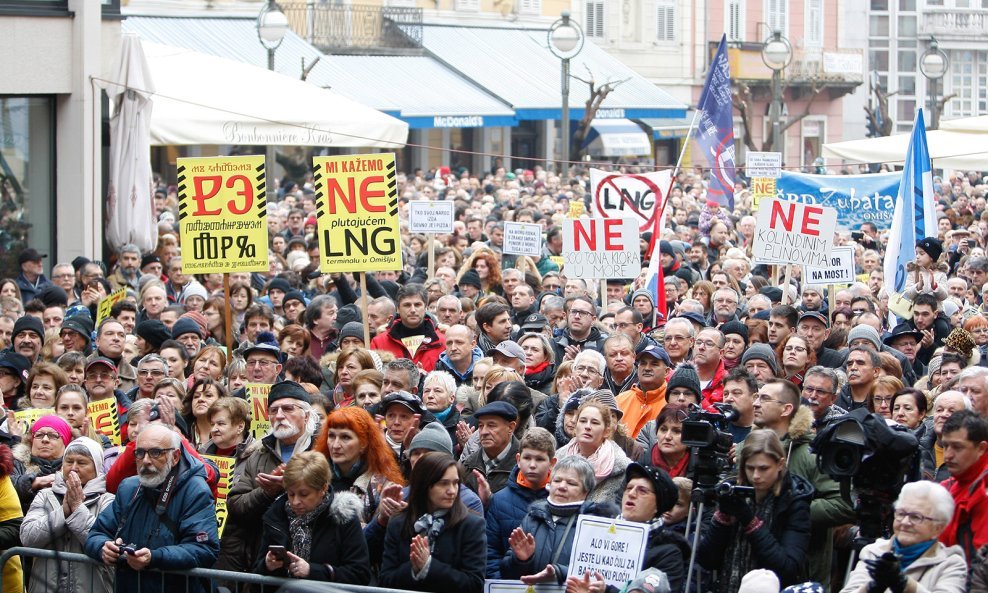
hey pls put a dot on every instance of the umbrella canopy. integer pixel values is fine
(203, 99)
(948, 149)
(129, 205)
(978, 123)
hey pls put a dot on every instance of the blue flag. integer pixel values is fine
(915, 216)
(715, 131)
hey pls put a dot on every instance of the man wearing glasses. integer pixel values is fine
(820, 395)
(263, 361)
(151, 369)
(580, 332)
(292, 428)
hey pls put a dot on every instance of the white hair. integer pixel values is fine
(968, 404)
(591, 357)
(684, 322)
(445, 380)
(943, 502)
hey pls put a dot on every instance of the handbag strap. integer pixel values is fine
(559, 546)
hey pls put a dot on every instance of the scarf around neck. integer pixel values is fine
(563, 509)
(909, 554)
(431, 524)
(300, 526)
(602, 460)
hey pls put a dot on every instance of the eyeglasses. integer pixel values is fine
(51, 435)
(257, 362)
(882, 400)
(585, 369)
(706, 343)
(580, 313)
(794, 349)
(154, 452)
(903, 515)
(282, 409)
(639, 490)
(150, 373)
(812, 390)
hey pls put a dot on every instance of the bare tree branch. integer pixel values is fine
(741, 99)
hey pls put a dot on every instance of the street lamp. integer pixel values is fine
(776, 54)
(934, 64)
(272, 25)
(565, 42)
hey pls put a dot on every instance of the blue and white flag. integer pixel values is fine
(915, 216)
(715, 132)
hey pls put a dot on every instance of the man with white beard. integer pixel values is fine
(293, 425)
(184, 533)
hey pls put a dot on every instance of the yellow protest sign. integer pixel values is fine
(576, 208)
(225, 466)
(357, 208)
(29, 416)
(105, 418)
(222, 214)
(761, 187)
(105, 304)
(257, 401)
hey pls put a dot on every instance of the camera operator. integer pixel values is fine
(769, 530)
(777, 407)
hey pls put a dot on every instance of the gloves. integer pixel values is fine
(886, 573)
(737, 507)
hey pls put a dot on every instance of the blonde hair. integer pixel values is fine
(497, 374)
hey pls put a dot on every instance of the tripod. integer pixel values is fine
(699, 499)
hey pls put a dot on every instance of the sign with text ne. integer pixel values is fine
(601, 248)
(257, 401)
(522, 238)
(222, 214)
(763, 164)
(611, 547)
(638, 197)
(428, 216)
(839, 271)
(106, 304)
(793, 233)
(357, 208)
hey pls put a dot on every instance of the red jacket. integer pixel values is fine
(426, 356)
(969, 527)
(713, 393)
(126, 466)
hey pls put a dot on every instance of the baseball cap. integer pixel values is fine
(30, 254)
(507, 348)
(657, 352)
(816, 316)
(534, 322)
(101, 361)
(402, 398)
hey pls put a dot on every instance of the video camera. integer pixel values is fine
(705, 433)
(861, 448)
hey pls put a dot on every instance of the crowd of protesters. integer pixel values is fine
(496, 401)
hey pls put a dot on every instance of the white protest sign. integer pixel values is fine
(639, 197)
(505, 586)
(839, 271)
(601, 248)
(522, 238)
(612, 547)
(794, 233)
(763, 164)
(426, 216)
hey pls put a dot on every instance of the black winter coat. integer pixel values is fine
(666, 550)
(459, 558)
(782, 548)
(337, 541)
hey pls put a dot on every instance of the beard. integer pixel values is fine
(285, 431)
(152, 477)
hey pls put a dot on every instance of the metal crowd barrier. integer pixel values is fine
(232, 581)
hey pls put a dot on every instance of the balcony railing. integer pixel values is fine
(954, 23)
(356, 28)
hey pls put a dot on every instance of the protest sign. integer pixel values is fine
(222, 214)
(257, 401)
(761, 188)
(788, 232)
(29, 416)
(106, 303)
(516, 586)
(601, 248)
(611, 547)
(638, 197)
(427, 216)
(857, 198)
(522, 238)
(105, 418)
(357, 213)
(225, 466)
(763, 164)
(839, 271)
(576, 209)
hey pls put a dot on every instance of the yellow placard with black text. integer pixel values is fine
(106, 304)
(357, 213)
(257, 401)
(105, 418)
(31, 415)
(225, 465)
(222, 214)
(761, 188)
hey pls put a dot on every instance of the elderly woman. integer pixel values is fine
(595, 426)
(208, 364)
(348, 364)
(60, 518)
(43, 383)
(909, 410)
(913, 560)
(367, 388)
(540, 546)
(317, 531)
(540, 362)
(41, 456)
(439, 398)
(229, 418)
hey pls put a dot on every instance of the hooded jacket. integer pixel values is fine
(445, 364)
(595, 341)
(29, 468)
(183, 536)
(338, 553)
(506, 511)
(426, 355)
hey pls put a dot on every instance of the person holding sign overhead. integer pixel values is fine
(413, 335)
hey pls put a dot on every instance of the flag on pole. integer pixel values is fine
(655, 282)
(715, 132)
(914, 217)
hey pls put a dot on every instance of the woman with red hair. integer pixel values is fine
(360, 459)
(488, 267)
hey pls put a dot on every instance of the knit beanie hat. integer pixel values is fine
(80, 324)
(572, 403)
(295, 295)
(432, 437)
(735, 327)
(55, 423)
(759, 581)
(950, 308)
(932, 246)
(761, 352)
(53, 295)
(935, 363)
(154, 332)
(686, 376)
(199, 318)
(809, 587)
(866, 332)
(347, 314)
(25, 323)
(645, 293)
(353, 329)
(194, 289)
(88, 446)
(184, 325)
(470, 278)
(281, 284)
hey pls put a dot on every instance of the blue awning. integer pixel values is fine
(669, 128)
(616, 138)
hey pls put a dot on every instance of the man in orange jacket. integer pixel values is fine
(645, 400)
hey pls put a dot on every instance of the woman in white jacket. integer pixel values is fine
(60, 518)
(913, 561)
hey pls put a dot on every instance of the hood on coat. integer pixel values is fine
(346, 506)
(801, 426)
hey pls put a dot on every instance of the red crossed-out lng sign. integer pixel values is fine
(601, 248)
(790, 232)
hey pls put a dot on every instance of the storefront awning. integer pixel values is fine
(616, 138)
(669, 128)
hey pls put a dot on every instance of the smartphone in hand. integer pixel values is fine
(279, 553)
